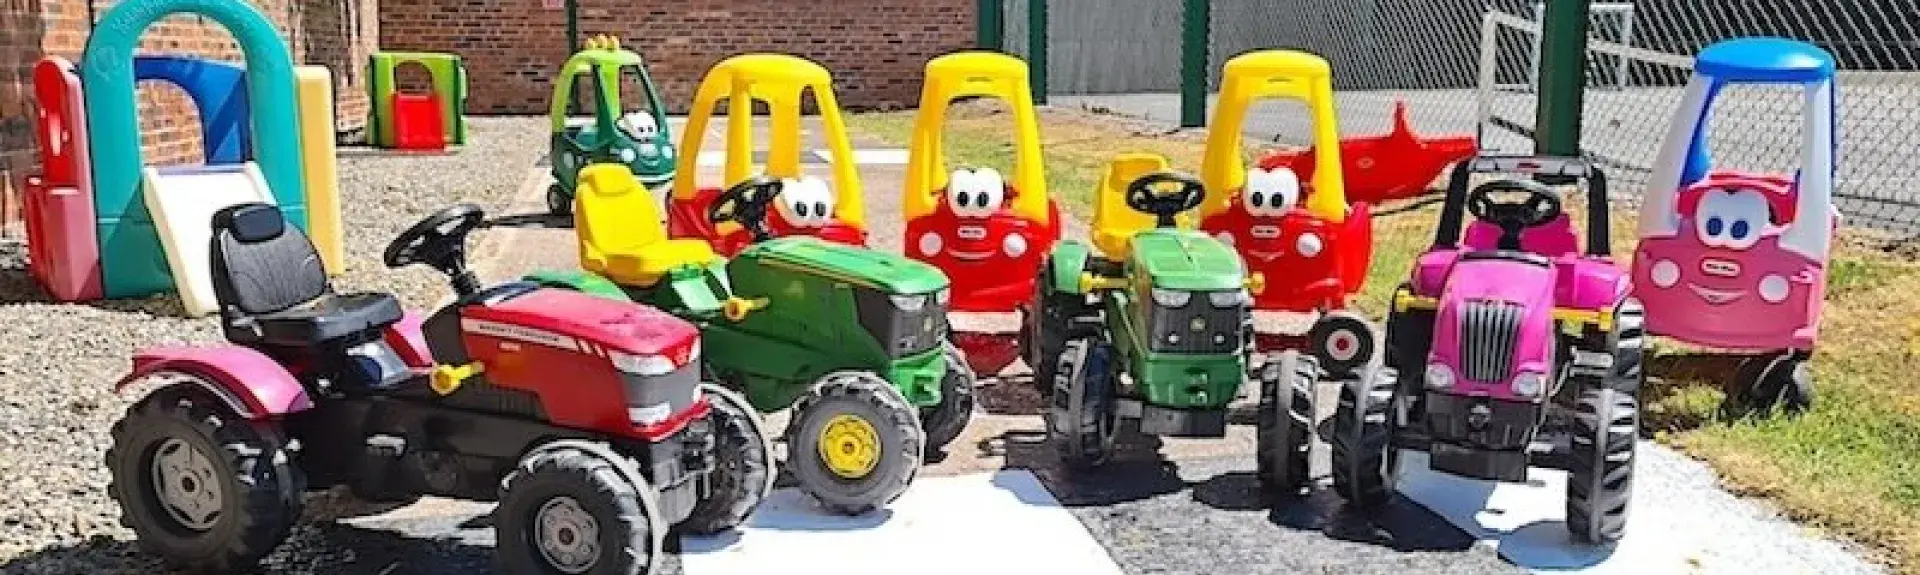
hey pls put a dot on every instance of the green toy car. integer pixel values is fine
(854, 340)
(1155, 330)
(639, 139)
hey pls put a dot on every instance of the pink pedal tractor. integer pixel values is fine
(1738, 261)
(1509, 348)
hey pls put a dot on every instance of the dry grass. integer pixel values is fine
(1852, 465)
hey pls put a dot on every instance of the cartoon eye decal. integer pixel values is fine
(805, 202)
(1731, 218)
(975, 192)
(1271, 192)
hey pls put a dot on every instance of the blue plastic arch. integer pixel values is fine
(1757, 60)
(133, 262)
(218, 91)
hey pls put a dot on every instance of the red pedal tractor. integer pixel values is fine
(585, 418)
(1309, 244)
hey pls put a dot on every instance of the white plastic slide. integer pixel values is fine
(183, 201)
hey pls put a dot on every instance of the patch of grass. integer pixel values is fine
(1850, 465)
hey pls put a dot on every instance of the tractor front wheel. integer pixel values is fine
(1285, 423)
(1342, 342)
(743, 470)
(1046, 327)
(1081, 412)
(1600, 481)
(575, 507)
(855, 443)
(1363, 438)
(199, 485)
(945, 421)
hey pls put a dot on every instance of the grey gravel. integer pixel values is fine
(60, 360)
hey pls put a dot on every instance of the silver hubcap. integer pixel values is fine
(569, 536)
(185, 479)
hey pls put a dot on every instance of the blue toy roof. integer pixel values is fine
(1765, 59)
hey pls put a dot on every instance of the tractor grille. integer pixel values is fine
(663, 395)
(902, 332)
(1489, 331)
(1173, 332)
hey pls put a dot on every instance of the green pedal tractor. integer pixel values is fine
(1151, 327)
(854, 340)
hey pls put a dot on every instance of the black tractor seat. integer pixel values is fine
(273, 292)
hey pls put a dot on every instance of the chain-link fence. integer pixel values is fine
(1464, 66)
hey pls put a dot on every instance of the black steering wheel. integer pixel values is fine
(1514, 206)
(1148, 195)
(440, 242)
(746, 203)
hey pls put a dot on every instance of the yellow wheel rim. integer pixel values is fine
(850, 446)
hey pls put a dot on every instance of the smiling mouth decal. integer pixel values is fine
(970, 256)
(1714, 296)
(1265, 256)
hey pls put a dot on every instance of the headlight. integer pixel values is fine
(666, 152)
(1439, 377)
(940, 298)
(1171, 298)
(1014, 245)
(1227, 299)
(909, 303)
(930, 244)
(1308, 245)
(643, 365)
(1529, 384)
(627, 156)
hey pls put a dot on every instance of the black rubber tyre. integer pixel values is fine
(574, 507)
(1343, 342)
(1628, 344)
(1048, 326)
(1285, 423)
(897, 437)
(945, 421)
(1081, 412)
(1785, 385)
(1606, 424)
(1362, 436)
(744, 470)
(244, 470)
(559, 202)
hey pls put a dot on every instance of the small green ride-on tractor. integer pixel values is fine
(854, 340)
(638, 138)
(1151, 327)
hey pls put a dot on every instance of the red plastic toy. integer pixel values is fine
(418, 123)
(1392, 166)
(61, 241)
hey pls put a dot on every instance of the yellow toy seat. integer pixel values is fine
(620, 233)
(1113, 222)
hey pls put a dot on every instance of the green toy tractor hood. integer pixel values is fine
(1187, 260)
(881, 271)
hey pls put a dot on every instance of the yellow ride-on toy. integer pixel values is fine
(807, 205)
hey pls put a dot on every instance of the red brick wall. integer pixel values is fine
(875, 48)
(336, 33)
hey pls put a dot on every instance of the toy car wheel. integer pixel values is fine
(855, 443)
(743, 470)
(945, 421)
(1285, 423)
(1081, 412)
(1600, 474)
(559, 202)
(575, 507)
(201, 486)
(1363, 436)
(1047, 326)
(1784, 383)
(1343, 342)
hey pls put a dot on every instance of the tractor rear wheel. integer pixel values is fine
(1363, 438)
(1606, 424)
(1081, 414)
(945, 421)
(1285, 423)
(574, 507)
(199, 485)
(855, 443)
(743, 470)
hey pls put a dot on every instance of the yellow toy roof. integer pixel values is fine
(964, 74)
(1267, 74)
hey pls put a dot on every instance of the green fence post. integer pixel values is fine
(1037, 49)
(1563, 78)
(991, 28)
(1194, 29)
(573, 46)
